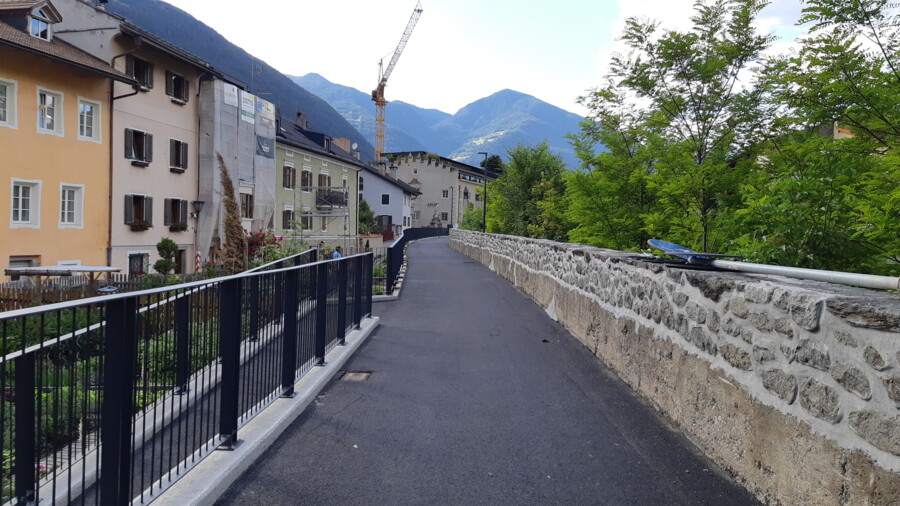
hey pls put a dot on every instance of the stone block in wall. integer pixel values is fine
(711, 285)
(852, 379)
(680, 299)
(780, 383)
(845, 338)
(874, 359)
(806, 310)
(760, 321)
(812, 353)
(695, 313)
(820, 400)
(747, 334)
(737, 357)
(876, 312)
(762, 355)
(713, 321)
(730, 326)
(784, 327)
(738, 307)
(881, 431)
(892, 385)
(758, 293)
(701, 339)
(781, 299)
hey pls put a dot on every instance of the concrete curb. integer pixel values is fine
(206, 482)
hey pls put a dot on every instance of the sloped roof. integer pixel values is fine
(15, 5)
(59, 50)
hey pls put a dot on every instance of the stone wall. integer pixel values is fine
(793, 386)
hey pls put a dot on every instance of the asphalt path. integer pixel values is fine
(476, 396)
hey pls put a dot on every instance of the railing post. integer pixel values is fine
(229, 350)
(290, 334)
(391, 274)
(182, 342)
(117, 405)
(343, 265)
(26, 421)
(321, 311)
(357, 291)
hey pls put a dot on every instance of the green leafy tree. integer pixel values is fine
(493, 163)
(530, 175)
(167, 249)
(688, 127)
(844, 78)
(472, 218)
(367, 222)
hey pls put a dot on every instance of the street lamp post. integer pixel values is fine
(484, 204)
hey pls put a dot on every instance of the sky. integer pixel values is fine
(460, 50)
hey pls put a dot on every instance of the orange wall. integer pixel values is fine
(27, 154)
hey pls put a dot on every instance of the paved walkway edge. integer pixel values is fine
(206, 482)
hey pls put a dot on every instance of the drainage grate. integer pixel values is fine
(356, 376)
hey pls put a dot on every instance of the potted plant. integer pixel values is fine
(140, 225)
(178, 227)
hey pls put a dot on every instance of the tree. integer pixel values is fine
(367, 222)
(493, 163)
(472, 218)
(846, 74)
(531, 173)
(686, 125)
(167, 250)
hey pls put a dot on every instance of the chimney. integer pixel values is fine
(342, 143)
(302, 122)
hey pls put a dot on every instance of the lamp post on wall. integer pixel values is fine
(484, 204)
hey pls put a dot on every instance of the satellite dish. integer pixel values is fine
(354, 146)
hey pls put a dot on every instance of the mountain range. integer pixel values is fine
(492, 124)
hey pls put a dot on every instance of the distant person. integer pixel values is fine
(338, 252)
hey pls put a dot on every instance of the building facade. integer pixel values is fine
(389, 198)
(55, 108)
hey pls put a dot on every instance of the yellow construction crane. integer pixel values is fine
(383, 74)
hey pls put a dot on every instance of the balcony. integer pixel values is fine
(331, 199)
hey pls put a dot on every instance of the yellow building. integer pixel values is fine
(54, 143)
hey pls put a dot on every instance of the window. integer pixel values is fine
(26, 204)
(287, 216)
(247, 205)
(444, 217)
(306, 179)
(306, 220)
(288, 176)
(477, 197)
(138, 147)
(139, 211)
(324, 180)
(175, 212)
(360, 183)
(177, 87)
(178, 156)
(289, 153)
(140, 70)
(416, 215)
(385, 199)
(88, 120)
(8, 99)
(138, 263)
(71, 205)
(50, 112)
(445, 194)
(40, 25)
(465, 194)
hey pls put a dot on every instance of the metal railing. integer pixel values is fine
(331, 198)
(110, 399)
(396, 251)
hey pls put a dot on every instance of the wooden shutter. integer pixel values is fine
(167, 212)
(187, 90)
(129, 209)
(129, 65)
(170, 84)
(129, 143)
(173, 153)
(182, 218)
(184, 155)
(284, 177)
(149, 74)
(148, 148)
(148, 209)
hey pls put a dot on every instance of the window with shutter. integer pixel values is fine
(178, 156)
(167, 212)
(138, 147)
(177, 87)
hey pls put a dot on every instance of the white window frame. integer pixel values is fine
(388, 195)
(79, 205)
(128, 255)
(445, 193)
(40, 18)
(12, 101)
(34, 207)
(58, 111)
(69, 263)
(97, 121)
(288, 153)
(306, 188)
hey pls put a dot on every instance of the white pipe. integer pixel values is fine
(844, 278)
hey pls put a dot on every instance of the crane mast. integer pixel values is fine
(383, 75)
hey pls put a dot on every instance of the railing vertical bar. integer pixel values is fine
(289, 349)
(367, 309)
(343, 266)
(321, 312)
(358, 290)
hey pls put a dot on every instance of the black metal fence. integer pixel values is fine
(109, 399)
(396, 251)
